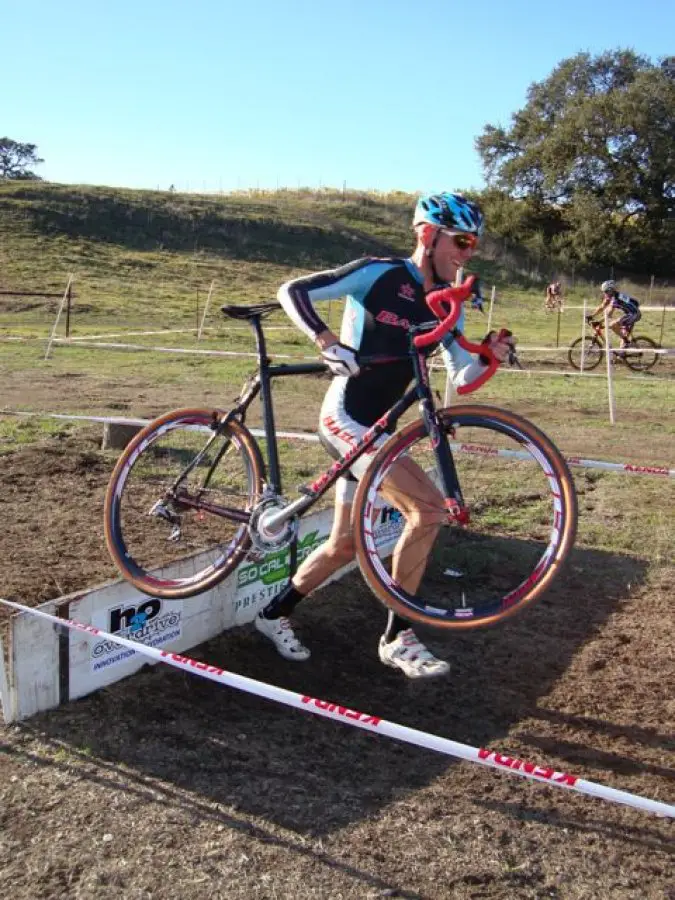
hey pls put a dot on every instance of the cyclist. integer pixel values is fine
(384, 298)
(553, 295)
(628, 306)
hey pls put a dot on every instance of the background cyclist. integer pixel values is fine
(627, 306)
(553, 295)
(384, 298)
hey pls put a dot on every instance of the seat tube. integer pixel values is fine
(268, 411)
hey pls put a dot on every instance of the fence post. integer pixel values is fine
(206, 308)
(69, 292)
(583, 337)
(651, 288)
(58, 316)
(608, 355)
(557, 333)
(663, 324)
(493, 294)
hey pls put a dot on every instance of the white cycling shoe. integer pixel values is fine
(280, 632)
(407, 653)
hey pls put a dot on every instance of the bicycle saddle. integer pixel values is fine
(250, 312)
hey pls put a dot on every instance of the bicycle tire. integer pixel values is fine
(593, 354)
(140, 535)
(647, 359)
(505, 569)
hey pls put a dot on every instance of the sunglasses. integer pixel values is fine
(462, 241)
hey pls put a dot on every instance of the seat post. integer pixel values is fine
(260, 343)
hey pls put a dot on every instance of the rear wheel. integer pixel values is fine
(523, 514)
(646, 358)
(592, 353)
(174, 525)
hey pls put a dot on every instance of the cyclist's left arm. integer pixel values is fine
(599, 308)
(463, 367)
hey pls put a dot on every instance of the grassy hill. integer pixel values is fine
(146, 260)
(148, 256)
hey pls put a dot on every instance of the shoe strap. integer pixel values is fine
(411, 645)
(287, 633)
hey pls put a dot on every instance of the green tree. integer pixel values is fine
(15, 159)
(596, 142)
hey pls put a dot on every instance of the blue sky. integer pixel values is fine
(216, 95)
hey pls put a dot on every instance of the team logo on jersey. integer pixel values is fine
(406, 292)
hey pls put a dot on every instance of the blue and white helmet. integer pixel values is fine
(450, 211)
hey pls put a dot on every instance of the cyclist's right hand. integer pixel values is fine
(341, 359)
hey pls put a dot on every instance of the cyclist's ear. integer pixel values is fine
(425, 235)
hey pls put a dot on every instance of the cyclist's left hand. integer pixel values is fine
(501, 343)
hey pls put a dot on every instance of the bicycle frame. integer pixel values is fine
(598, 329)
(261, 383)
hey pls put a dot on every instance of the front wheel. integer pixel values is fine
(523, 514)
(646, 358)
(178, 503)
(592, 350)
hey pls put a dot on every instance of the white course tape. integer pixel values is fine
(149, 348)
(476, 449)
(625, 468)
(493, 759)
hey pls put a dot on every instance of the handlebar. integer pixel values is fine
(437, 302)
(454, 297)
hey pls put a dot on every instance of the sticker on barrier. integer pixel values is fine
(47, 670)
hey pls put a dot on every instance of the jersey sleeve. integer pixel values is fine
(463, 368)
(299, 295)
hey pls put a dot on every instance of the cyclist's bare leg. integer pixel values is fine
(410, 490)
(621, 332)
(330, 556)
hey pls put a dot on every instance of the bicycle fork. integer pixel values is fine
(452, 493)
(453, 500)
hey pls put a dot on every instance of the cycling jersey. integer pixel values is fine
(625, 303)
(385, 298)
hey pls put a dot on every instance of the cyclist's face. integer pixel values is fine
(453, 251)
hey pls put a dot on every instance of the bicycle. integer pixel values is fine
(553, 303)
(595, 347)
(191, 496)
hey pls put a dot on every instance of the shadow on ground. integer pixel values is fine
(313, 776)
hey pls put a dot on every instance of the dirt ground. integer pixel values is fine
(168, 786)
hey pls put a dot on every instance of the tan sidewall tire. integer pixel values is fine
(568, 527)
(257, 467)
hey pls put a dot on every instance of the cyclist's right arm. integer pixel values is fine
(299, 295)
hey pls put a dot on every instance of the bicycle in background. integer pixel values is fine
(641, 355)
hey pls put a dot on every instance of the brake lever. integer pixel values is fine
(513, 359)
